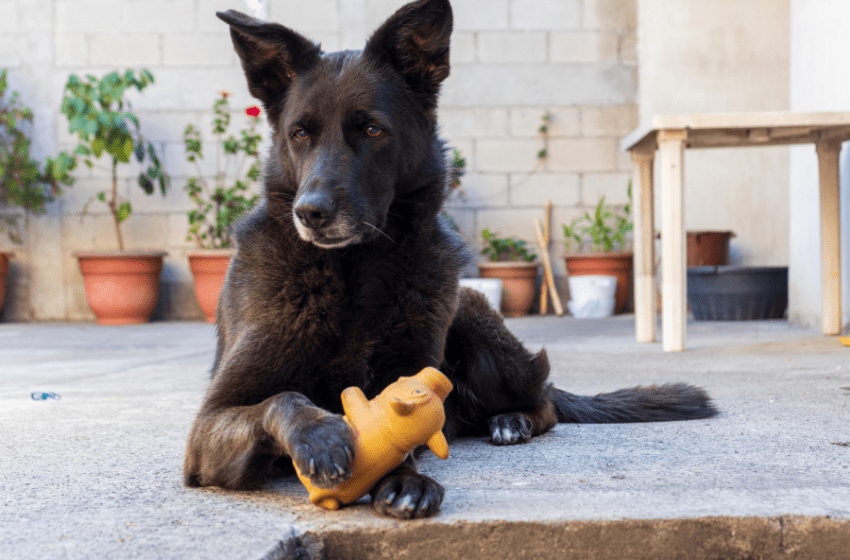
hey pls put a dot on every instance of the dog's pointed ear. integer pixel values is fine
(272, 55)
(415, 41)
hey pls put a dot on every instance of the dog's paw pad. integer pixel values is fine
(510, 429)
(407, 496)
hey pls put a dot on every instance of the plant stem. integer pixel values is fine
(113, 204)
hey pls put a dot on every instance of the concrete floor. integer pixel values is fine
(96, 473)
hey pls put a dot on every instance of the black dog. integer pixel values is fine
(345, 275)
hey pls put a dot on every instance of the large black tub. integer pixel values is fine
(737, 293)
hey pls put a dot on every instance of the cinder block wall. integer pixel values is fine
(512, 60)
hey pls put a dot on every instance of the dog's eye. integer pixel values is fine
(373, 131)
(301, 134)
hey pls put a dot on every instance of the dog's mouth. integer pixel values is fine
(326, 242)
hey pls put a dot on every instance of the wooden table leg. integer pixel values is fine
(646, 305)
(830, 235)
(671, 151)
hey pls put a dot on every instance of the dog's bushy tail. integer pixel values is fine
(655, 403)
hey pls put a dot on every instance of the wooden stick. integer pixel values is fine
(547, 268)
(544, 290)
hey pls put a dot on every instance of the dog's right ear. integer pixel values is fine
(272, 55)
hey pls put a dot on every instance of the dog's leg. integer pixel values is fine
(234, 447)
(406, 494)
(501, 387)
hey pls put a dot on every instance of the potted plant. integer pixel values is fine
(511, 261)
(121, 286)
(219, 200)
(596, 245)
(23, 183)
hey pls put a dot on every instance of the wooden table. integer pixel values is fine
(670, 135)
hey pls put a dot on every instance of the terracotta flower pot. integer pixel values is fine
(518, 284)
(708, 248)
(121, 286)
(606, 264)
(209, 269)
(4, 270)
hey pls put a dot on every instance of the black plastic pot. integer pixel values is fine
(737, 293)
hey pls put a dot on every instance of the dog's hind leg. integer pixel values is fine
(501, 388)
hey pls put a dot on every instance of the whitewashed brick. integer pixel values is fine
(473, 123)
(536, 188)
(511, 46)
(178, 228)
(628, 47)
(545, 14)
(582, 154)
(171, 93)
(71, 49)
(526, 122)
(610, 14)
(376, 11)
(488, 85)
(513, 222)
(124, 50)
(624, 160)
(612, 120)
(483, 189)
(463, 48)
(476, 15)
(584, 47)
(198, 50)
(315, 15)
(176, 164)
(81, 16)
(613, 186)
(10, 54)
(175, 199)
(507, 155)
(159, 16)
(9, 17)
(145, 231)
(329, 41)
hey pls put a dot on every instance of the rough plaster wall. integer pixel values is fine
(512, 59)
(820, 81)
(719, 56)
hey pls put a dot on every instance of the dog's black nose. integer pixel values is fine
(314, 210)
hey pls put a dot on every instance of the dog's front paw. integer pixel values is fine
(508, 429)
(323, 450)
(406, 494)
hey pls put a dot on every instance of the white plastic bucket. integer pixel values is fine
(592, 296)
(490, 287)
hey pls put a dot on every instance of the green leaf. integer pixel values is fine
(123, 212)
(101, 196)
(97, 146)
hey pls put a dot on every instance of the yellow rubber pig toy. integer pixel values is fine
(407, 414)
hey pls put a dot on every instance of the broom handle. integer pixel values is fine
(547, 268)
(544, 290)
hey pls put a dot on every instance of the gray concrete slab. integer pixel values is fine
(96, 473)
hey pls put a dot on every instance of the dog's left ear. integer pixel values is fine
(415, 41)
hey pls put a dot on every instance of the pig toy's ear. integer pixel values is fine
(401, 407)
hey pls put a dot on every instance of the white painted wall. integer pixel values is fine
(699, 56)
(820, 81)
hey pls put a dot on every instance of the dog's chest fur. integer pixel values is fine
(361, 315)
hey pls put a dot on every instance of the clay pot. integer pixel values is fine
(518, 284)
(708, 248)
(605, 264)
(121, 286)
(4, 270)
(209, 269)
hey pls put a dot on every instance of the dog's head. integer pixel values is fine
(354, 129)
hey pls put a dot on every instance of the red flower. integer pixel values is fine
(224, 94)
(253, 111)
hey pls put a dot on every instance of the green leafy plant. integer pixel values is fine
(505, 248)
(605, 228)
(100, 117)
(458, 169)
(23, 182)
(222, 199)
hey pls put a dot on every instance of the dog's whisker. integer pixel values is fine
(379, 231)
